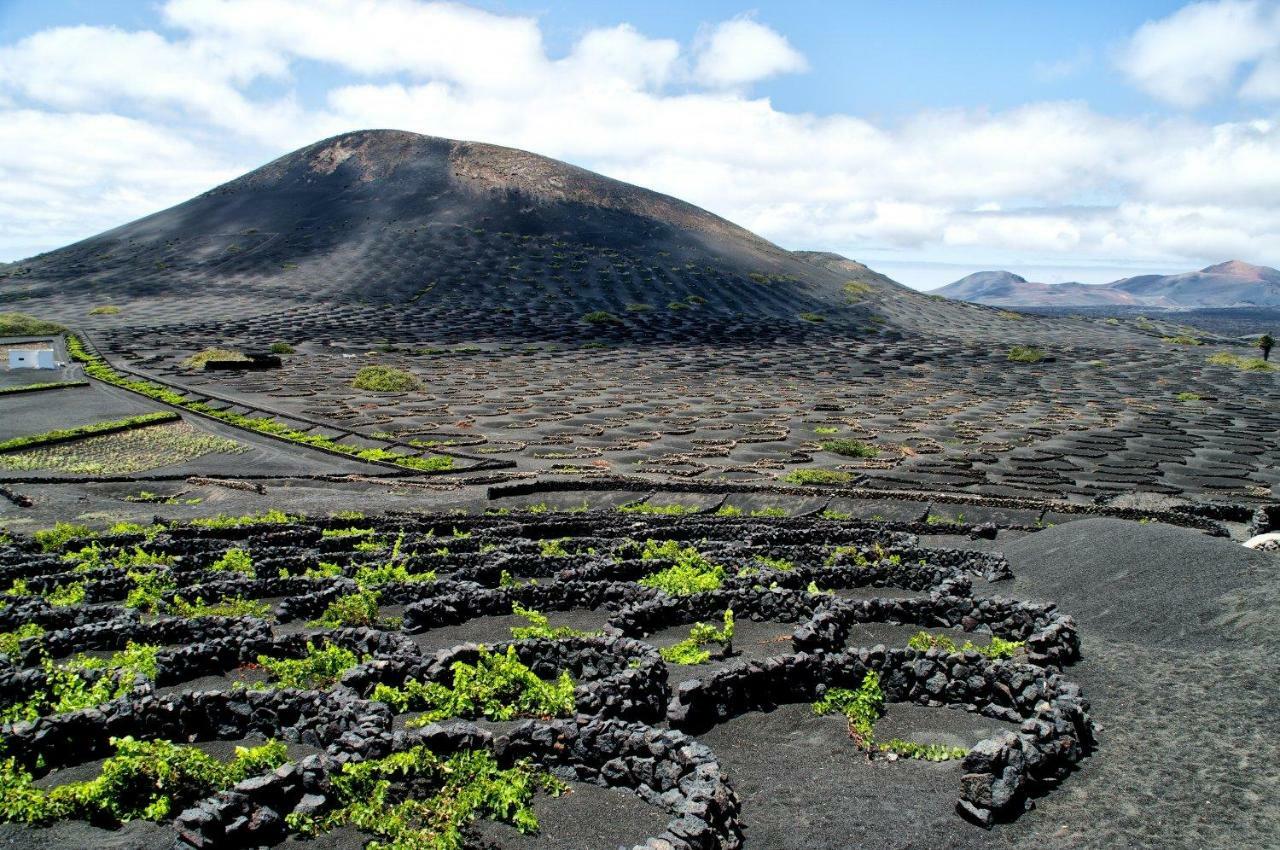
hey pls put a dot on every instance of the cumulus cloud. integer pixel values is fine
(1200, 51)
(743, 51)
(213, 96)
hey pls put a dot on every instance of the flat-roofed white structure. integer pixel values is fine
(32, 358)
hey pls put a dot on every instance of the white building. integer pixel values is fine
(31, 358)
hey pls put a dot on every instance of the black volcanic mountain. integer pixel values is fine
(1230, 284)
(384, 217)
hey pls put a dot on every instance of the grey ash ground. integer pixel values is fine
(584, 344)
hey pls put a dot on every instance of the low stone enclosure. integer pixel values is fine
(319, 632)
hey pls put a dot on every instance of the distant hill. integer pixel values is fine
(1229, 284)
(440, 227)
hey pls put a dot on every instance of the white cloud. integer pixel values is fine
(59, 171)
(742, 51)
(449, 41)
(1198, 52)
(102, 125)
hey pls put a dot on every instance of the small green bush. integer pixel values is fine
(20, 324)
(692, 650)
(281, 348)
(104, 310)
(318, 670)
(385, 379)
(498, 687)
(448, 796)
(672, 509)
(1249, 364)
(601, 317)
(53, 539)
(998, 648)
(849, 448)
(813, 317)
(197, 360)
(690, 573)
(818, 476)
(1025, 354)
(540, 625)
(151, 780)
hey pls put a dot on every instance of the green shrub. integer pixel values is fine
(104, 310)
(150, 780)
(691, 572)
(1183, 339)
(824, 430)
(1188, 396)
(274, 516)
(497, 687)
(849, 448)
(318, 670)
(818, 476)
(53, 539)
(197, 360)
(862, 707)
(1249, 364)
(1025, 354)
(924, 752)
(998, 648)
(673, 509)
(856, 289)
(385, 379)
(235, 606)
(68, 688)
(20, 324)
(601, 317)
(11, 642)
(236, 561)
(813, 317)
(692, 650)
(354, 609)
(281, 348)
(448, 795)
(540, 626)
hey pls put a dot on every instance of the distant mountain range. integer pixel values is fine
(1230, 284)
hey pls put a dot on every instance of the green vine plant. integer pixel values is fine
(391, 571)
(998, 648)
(97, 557)
(150, 589)
(318, 670)
(354, 609)
(143, 779)
(449, 794)
(497, 687)
(862, 708)
(540, 626)
(62, 533)
(59, 597)
(693, 649)
(690, 573)
(11, 642)
(234, 561)
(85, 682)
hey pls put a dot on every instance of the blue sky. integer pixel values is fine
(1081, 140)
